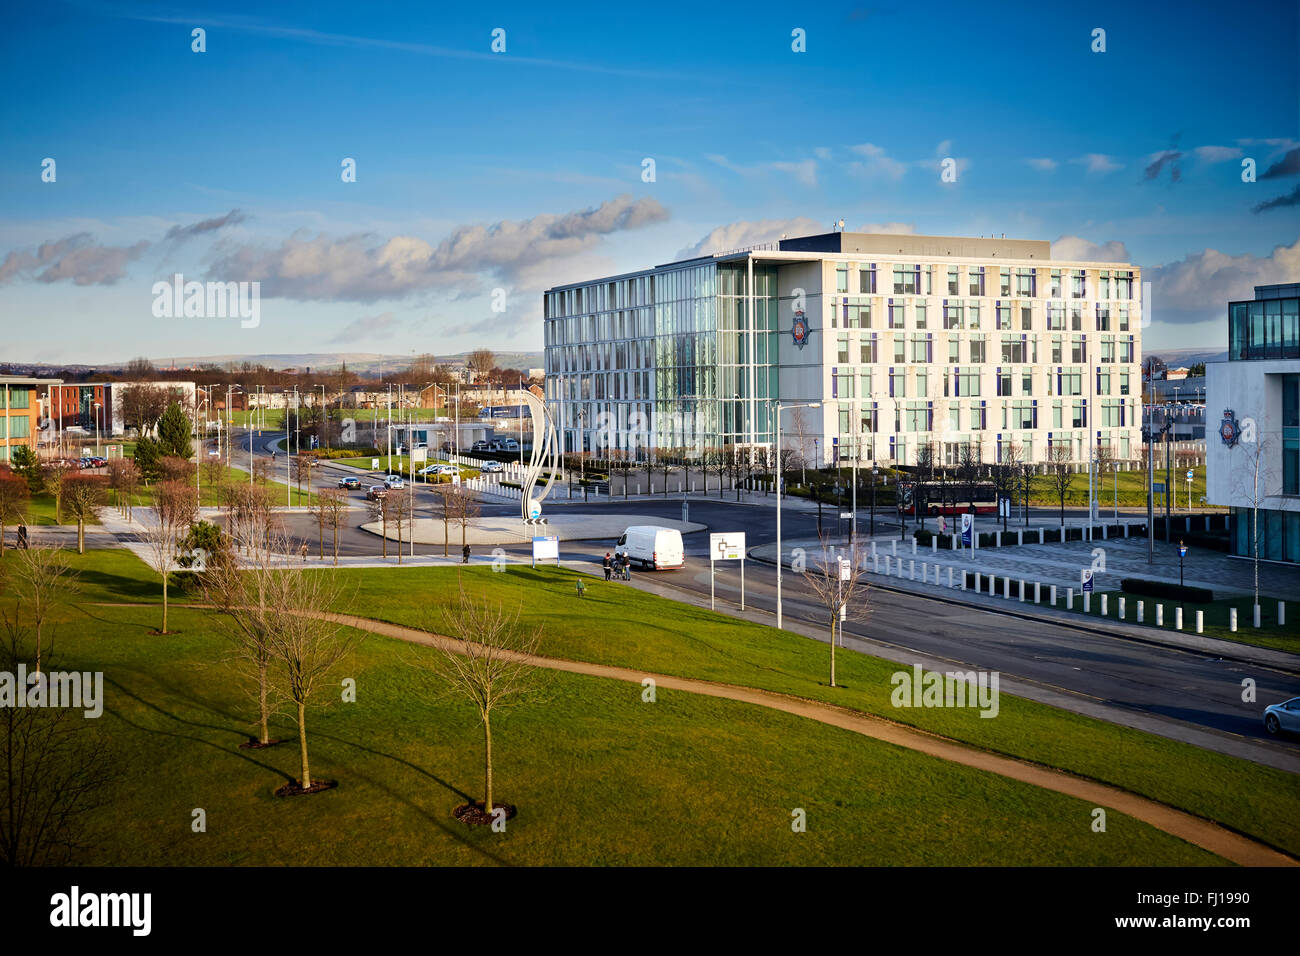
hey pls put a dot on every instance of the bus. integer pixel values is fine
(951, 498)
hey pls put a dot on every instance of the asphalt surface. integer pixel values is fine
(1169, 685)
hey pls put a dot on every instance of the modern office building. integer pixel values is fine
(1253, 462)
(904, 341)
(20, 412)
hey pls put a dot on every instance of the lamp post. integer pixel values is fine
(288, 483)
(1182, 553)
(98, 406)
(780, 565)
(874, 473)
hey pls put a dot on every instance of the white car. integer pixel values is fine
(393, 482)
(1283, 716)
(492, 466)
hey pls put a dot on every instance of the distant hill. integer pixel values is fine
(1176, 357)
(360, 362)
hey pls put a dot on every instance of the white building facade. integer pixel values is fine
(906, 342)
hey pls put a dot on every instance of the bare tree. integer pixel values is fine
(1254, 483)
(309, 645)
(123, 478)
(464, 509)
(14, 496)
(54, 771)
(84, 495)
(53, 474)
(399, 513)
(481, 362)
(331, 510)
(970, 465)
(799, 425)
(840, 586)
(491, 663)
(1006, 472)
(1060, 473)
(39, 579)
(175, 508)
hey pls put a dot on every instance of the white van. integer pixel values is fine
(651, 546)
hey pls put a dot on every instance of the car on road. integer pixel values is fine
(377, 492)
(439, 469)
(394, 481)
(1283, 717)
(492, 466)
(353, 483)
(652, 547)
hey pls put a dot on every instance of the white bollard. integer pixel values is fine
(1020, 537)
(1200, 621)
(1141, 610)
(1053, 595)
(893, 544)
(875, 563)
(1256, 616)
(1232, 619)
(934, 543)
(963, 578)
(1087, 602)
(1022, 590)
(1006, 588)
(888, 559)
(1038, 591)
(1105, 532)
(1178, 618)
(977, 582)
(997, 539)
(1120, 615)
(1104, 602)
(1069, 599)
(993, 585)
(1160, 615)
(914, 545)
(1041, 536)
(911, 570)
(1281, 609)
(873, 548)
(1126, 529)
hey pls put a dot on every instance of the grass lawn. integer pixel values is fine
(618, 625)
(271, 417)
(599, 776)
(1132, 489)
(1268, 634)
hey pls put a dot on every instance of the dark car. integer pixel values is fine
(376, 492)
(353, 483)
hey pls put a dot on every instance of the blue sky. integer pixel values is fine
(519, 170)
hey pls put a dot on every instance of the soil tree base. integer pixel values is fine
(254, 744)
(473, 814)
(295, 789)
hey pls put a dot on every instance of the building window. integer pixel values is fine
(1055, 292)
(1004, 316)
(953, 315)
(1026, 283)
(867, 349)
(976, 275)
(1078, 283)
(1103, 284)
(843, 349)
(841, 278)
(977, 349)
(1004, 282)
(896, 319)
(867, 279)
(1055, 317)
(953, 282)
(920, 312)
(906, 279)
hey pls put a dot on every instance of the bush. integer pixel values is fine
(1165, 589)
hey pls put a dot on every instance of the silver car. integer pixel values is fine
(1283, 716)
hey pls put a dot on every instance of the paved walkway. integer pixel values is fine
(1195, 830)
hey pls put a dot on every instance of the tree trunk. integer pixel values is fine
(487, 764)
(164, 627)
(81, 535)
(302, 743)
(336, 545)
(833, 625)
(263, 707)
(320, 528)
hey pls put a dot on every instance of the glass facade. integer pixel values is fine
(1264, 329)
(665, 361)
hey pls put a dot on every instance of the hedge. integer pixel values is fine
(1165, 589)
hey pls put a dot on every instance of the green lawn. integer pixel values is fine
(1269, 633)
(272, 417)
(1132, 490)
(618, 625)
(401, 463)
(599, 776)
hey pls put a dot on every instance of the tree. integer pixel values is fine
(84, 495)
(380, 510)
(836, 579)
(142, 406)
(1060, 473)
(148, 459)
(799, 425)
(464, 509)
(14, 496)
(175, 468)
(39, 579)
(54, 771)
(330, 511)
(302, 466)
(1006, 472)
(489, 660)
(123, 478)
(175, 434)
(927, 458)
(399, 513)
(481, 362)
(307, 644)
(27, 466)
(970, 465)
(1253, 482)
(174, 510)
(139, 369)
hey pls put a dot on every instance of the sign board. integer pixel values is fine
(846, 569)
(374, 464)
(727, 546)
(1157, 487)
(419, 456)
(846, 515)
(534, 508)
(1087, 579)
(546, 547)
(1189, 474)
(455, 479)
(967, 522)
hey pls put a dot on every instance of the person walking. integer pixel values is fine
(464, 555)
(608, 566)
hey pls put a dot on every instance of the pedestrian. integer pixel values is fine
(608, 566)
(303, 552)
(22, 537)
(943, 525)
(464, 555)
(627, 568)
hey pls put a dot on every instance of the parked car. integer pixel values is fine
(377, 492)
(352, 483)
(393, 482)
(652, 546)
(1283, 717)
(509, 444)
(439, 469)
(480, 446)
(492, 466)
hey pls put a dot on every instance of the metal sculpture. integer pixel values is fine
(546, 451)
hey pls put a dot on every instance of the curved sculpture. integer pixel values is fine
(546, 451)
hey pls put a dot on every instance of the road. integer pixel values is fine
(1166, 686)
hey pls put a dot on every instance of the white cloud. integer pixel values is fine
(803, 171)
(1216, 154)
(369, 328)
(1076, 249)
(1043, 164)
(78, 258)
(889, 228)
(1098, 163)
(738, 235)
(1198, 287)
(876, 162)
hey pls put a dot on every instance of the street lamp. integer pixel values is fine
(98, 406)
(780, 565)
(874, 474)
